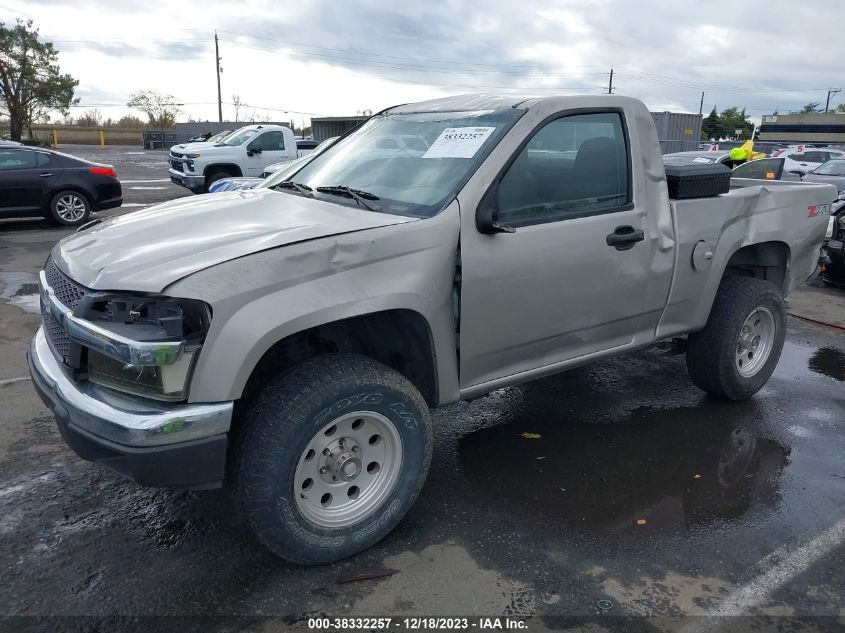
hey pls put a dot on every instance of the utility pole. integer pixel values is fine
(610, 85)
(701, 103)
(219, 97)
(830, 92)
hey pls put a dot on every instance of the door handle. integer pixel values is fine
(45, 175)
(624, 237)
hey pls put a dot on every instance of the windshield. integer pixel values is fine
(831, 168)
(238, 137)
(219, 137)
(409, 164)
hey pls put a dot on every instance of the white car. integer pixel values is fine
(802, 159)
(245, 152)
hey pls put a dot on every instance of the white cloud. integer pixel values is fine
(335, 58)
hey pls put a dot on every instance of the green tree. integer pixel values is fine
(31, 84)
(710, 126)
(810, 108)
(733, 119)
(840, 108)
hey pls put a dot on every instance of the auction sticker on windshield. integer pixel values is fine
(458, 142)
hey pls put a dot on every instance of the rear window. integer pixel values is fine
(17, 159)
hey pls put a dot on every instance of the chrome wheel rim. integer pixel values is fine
(70, 208)
(348, 469)
(755, 343)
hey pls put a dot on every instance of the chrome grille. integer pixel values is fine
(69, 293)
(55, 333)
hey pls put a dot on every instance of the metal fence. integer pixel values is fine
(38, 135)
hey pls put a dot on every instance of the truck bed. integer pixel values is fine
(753, 212)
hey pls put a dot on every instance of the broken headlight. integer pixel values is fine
(162, 382)
(173, 328)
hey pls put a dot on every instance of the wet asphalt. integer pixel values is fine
(616, 489)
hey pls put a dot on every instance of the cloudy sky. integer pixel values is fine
(337, 57)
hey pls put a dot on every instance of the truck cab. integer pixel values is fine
(245, 152)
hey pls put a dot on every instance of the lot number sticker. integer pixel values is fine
(458, 142)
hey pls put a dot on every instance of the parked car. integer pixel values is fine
(63, 188)
(8, 143)
(721, 156)
(283, 169)
(802, 159)
(530, 237)
(306, 146)
(245, 152)
(765, 169)
(833, 172)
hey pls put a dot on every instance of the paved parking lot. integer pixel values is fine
(613, 490)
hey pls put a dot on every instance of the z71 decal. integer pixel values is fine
(818, 209)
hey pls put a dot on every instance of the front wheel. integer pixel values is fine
(333, 455)
(737, 351)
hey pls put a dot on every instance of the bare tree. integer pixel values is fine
(161, 109)
(238, 104)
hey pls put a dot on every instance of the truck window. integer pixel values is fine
(269, 142)
(572, 166)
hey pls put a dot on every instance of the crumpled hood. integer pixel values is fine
(150, 249)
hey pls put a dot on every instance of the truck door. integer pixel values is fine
(571, 277)
(265, 149)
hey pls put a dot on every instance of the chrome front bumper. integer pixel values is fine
(124, 420)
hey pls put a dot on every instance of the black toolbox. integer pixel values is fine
(690, 179)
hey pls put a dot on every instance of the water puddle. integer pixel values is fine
(21, 290)
(670, 469)
(828, 361)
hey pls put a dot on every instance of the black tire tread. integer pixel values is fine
(711, 351)
(267, 432)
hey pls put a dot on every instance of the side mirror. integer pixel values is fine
(250, 150)
(487, 214)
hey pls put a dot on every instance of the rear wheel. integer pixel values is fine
(737, 351)
(70, 208)
(333, 455)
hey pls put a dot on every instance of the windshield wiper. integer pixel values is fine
(359, 196)
(305, 190)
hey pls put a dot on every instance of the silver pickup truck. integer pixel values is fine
(292, 338)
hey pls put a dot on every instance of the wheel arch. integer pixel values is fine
(400, 338)
(231, 168)
(764, 260)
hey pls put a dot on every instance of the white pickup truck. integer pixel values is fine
(245, 152)
(293, 337)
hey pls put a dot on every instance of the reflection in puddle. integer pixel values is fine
(670, 469)
(21, 289)
(829, 361)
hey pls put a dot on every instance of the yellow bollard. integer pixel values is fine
(102, 139)
(55, 137)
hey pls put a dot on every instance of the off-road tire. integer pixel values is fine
(280, 427)
(712, 352)
(70, 208)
